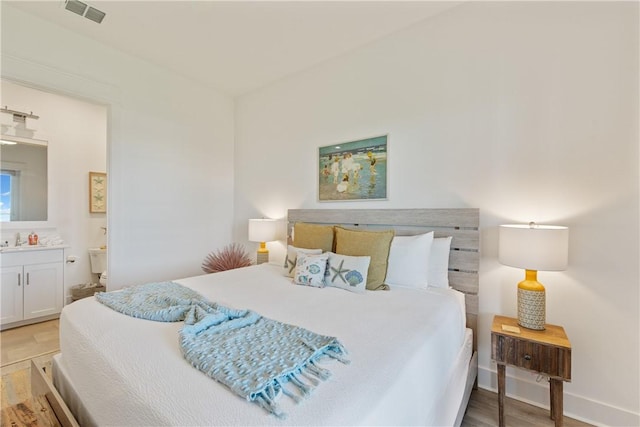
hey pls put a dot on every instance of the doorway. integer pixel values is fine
(76, 133)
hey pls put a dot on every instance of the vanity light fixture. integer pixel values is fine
(85, 10)
(19, 116)
(17, 131)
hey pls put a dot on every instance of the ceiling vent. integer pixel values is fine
(83, 9)
(94, 14)
(75, 6)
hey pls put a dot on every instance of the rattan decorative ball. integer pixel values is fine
(230, 257)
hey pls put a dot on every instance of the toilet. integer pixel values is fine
(98, 258)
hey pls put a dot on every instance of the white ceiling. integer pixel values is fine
(238, 46)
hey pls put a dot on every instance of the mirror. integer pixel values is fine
(23, 179)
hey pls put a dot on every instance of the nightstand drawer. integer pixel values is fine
(539, 357)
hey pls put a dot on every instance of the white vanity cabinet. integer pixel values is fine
(32, 287)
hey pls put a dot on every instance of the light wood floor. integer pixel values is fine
(19, 407)
(483, 412)
(41, 342)
(29, 341)
(17, 348)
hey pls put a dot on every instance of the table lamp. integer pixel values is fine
(533, 247)
(263, 231)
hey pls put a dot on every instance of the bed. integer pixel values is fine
(412, 352)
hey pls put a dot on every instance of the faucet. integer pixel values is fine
(18, 241)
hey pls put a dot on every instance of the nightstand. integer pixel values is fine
(547, 352)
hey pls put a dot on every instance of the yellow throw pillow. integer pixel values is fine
(375, 244)
(313, 236)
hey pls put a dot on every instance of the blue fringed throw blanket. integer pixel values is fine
(257, 358)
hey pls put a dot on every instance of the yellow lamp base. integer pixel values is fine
(531, 302)
(263, 254)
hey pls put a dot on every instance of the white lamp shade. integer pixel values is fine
(534, 247)
(263, 230)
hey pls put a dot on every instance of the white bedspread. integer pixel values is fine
(402, 344)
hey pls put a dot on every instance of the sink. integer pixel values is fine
(20, 248)
(30, 248)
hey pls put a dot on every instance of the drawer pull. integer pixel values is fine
(527, 357)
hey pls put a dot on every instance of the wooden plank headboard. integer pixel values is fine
(462, 224)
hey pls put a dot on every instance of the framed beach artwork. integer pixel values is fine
(97, 192)
(354, 170)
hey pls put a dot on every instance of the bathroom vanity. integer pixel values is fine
(32, 284)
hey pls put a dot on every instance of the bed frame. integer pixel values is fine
(462, 224)
(464, 258)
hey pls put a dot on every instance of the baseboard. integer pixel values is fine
(577, 407)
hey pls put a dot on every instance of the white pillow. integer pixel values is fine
(292, 256)
(310, 270)
(409, 261)
(347, 272)
(439, 262)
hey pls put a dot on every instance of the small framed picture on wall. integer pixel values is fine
(97, 192)
(353, 170)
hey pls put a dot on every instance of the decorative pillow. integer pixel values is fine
(409, 261)
(347, 272)
(439, 262)
(310, 270)
(313, 236)
(292, 257)
(375, 244)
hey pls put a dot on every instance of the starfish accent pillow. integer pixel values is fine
(347, 272)
(292, 257)
(310, 270)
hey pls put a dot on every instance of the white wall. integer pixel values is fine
(77, 134)
(170, 147)
(528, 111)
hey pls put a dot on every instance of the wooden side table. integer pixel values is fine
(546, 352)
